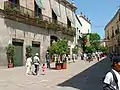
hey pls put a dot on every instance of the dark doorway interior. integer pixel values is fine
(68, 23)
(35, 48)
(18, 57)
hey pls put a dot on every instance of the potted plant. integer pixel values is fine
(60, 48)
(64, 64)
(28, 51)
(10, 51)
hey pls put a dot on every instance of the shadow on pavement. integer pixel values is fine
(89, 79)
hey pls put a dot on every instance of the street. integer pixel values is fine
(80, 75)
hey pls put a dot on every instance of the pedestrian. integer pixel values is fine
(36, 62)
(43, 69)
(97, 56)
(73, 58)
(112, 78)
(28, 65)
(48, 60)
(111, 56)
(82, 56)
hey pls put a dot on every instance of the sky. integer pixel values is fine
(100, 12)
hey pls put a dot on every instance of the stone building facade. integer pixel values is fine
(112, 34)
(36, 23)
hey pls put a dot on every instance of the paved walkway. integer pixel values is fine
(15, 78)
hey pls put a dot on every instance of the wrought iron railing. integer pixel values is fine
(26, 15)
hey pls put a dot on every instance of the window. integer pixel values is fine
(68, 23)
(15, 1)
(112, 32)
(54, 16)
(38, 11)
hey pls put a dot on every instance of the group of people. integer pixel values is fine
(33, 64)
(90, 56)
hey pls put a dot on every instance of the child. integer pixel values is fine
(43, 69)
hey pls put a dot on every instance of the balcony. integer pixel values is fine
(27, 16)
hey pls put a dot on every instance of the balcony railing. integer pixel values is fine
(25, 15)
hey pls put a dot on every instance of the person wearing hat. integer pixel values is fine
(36, 62)
(112, 78)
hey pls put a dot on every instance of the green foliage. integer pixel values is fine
(28, 51)
(75, 50)
(94, 40)
(37, 18)
(89, 49)
(10, 50)
(60, 47)
(103, 49)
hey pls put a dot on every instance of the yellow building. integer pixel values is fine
(112, 34)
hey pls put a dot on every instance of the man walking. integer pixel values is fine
(36, 62)
(48, 60)
(28, 65)
(112, 78)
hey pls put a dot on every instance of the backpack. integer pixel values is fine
(109, 87)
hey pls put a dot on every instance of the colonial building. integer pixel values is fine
(36, 23)
(78, 38)
(112, 33)
(86, 24)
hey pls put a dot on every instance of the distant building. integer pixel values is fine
(86, 24)
(112, 33)
(103, 43)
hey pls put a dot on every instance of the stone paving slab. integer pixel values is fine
(15, 78)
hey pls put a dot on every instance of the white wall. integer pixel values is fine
(85, 25)
(77, 25)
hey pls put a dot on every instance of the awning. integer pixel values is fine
(69, 15)
(55, 7)
(40, 4)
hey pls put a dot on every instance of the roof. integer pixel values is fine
(85, 19)
(78, 20)
(67, 2)
(118, 12)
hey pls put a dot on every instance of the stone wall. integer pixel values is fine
(12, 29)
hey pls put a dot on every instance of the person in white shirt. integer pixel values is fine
(36, 62)
(109, 78)
(28, 65)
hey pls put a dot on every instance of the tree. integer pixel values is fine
(103, 49)
(60, 47)
(89, 49)
(10, 51)
(94, 40)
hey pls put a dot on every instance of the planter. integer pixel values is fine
(58, 66)
(64, 65)
(10, 65)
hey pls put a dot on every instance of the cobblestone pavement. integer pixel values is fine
(15, 78)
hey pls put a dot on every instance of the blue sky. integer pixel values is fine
(99, 12)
